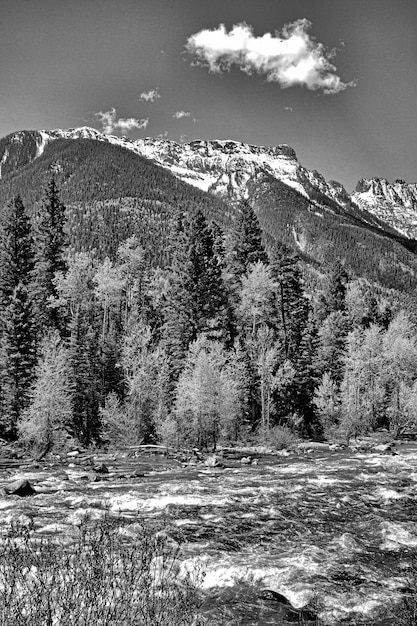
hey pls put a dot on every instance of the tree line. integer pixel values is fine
(221, 343)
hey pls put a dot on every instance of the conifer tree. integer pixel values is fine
(18, 340)
(84, 371)
(197, 299)
(247, 246)
(19, 358)
(16, 250)
(291, 303)
(209, 301)
(50, 258)
(336, 291)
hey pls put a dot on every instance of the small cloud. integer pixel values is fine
(289, 109)
(162, 135)
(178, 115)
(110, 122)
(290, 57)
(182, 138)
(150, 96)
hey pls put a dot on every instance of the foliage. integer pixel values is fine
(48, 416)
(207, 403)
(102, 577)
(280, 437)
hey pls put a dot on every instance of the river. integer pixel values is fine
(326, 525)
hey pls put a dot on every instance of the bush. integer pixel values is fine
(280, 437)
(104, 577)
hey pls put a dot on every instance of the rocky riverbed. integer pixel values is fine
(318, 524)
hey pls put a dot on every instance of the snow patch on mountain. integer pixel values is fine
(231, 168)
(394, 203)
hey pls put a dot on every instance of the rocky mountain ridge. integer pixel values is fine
(394, 203)
(221, 167)
(230, 169)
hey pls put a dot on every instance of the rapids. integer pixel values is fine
(327, 525)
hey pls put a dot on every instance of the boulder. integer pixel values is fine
(384, 448)
(289, 612)
(101, 469)
(213, 461)
(21, 487)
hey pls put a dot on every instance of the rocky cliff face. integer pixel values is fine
(230, 169)
(224, 168)
(394, 203)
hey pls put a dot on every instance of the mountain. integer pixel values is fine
(114, 187)
(394, 203)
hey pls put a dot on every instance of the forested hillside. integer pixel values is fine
(110, 194)
(213, 339)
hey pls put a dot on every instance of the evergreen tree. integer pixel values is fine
(178, 325)
(291, 303)
(18, 339)
(50, 258)
(16, 250)
(84, 372)
(197, 298)
(336, 291)
(247, 247)
(19, 358)
(209, 301)
(332, 337)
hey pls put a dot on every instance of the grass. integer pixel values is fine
(101, 578)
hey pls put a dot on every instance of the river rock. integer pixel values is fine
(289, 612)
(384, 448)
(21, 487)
(213, 461)
(101, 469)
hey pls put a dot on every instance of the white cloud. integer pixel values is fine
(111, 123)
(289, 109)
(150, 96)
(180, 114)
(290, 57)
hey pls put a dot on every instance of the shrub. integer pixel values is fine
(280, 437)
(103, 577)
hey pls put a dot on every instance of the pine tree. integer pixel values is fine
(84, 371)
(291, 303)
(178, 325)
(16, 250)
(197, 298)
(50, 258)
(336, 291)
(19, 358)
(247, 247)
(17, 335)
(209, 300)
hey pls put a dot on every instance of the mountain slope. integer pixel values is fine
(117, 187)
(394, 203)
(111, 193)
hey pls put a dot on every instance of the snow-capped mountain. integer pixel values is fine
(394, 203)
(222, 167)
(232, 169)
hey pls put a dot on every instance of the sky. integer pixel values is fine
(334, 79)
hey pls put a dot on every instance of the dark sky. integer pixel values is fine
(64, 61)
